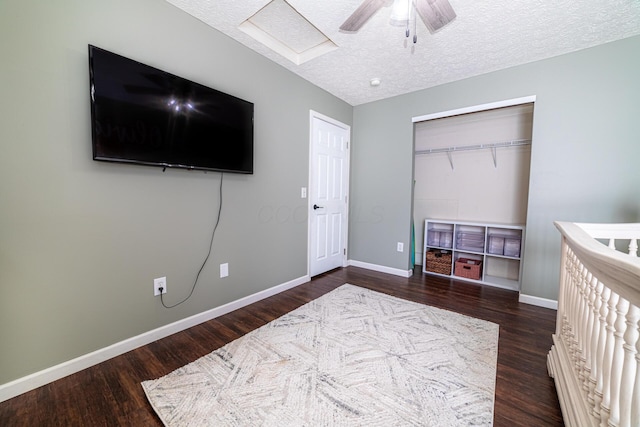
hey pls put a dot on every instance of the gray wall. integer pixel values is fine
(82, 241)
(584, 159)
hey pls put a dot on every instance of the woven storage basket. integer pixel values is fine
(438, 261)
(468, 268)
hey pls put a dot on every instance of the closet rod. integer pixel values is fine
(475, 147)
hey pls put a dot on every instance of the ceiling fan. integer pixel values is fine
(434, 13)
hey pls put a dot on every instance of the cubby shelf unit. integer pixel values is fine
(497, 248)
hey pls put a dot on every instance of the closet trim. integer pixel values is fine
(476, 108)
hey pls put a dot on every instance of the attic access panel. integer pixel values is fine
(284, 30)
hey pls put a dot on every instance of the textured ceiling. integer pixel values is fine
(487, 35)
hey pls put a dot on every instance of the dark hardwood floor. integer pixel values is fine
(109, 394)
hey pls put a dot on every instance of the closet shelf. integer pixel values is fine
(492, 146)
(475, 147)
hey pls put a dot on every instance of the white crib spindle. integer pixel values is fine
(605, 406)
(630, 368)
(574, 320)
(602, 343)
(583, 322)
(635, 397)
(595, 338)
(588, 343)
(570, 289)
(633, 247)
(620, 327)
(560, 320)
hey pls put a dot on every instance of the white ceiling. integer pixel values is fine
(487, 35)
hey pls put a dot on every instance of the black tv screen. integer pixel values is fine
(142, 115)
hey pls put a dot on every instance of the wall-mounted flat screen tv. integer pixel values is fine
(142, 115)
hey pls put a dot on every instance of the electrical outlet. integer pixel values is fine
(224, 269)
(303, 192)
(160, 282)
(400, 247)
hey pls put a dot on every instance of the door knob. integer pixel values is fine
(317, 207)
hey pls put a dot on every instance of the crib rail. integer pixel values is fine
(595, 357)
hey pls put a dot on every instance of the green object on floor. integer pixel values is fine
(413, 245)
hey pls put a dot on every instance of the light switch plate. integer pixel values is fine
(224, 269)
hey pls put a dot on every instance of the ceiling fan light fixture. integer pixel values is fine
(400, 13)
(434, 13)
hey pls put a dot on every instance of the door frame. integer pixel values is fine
(531, 99)
(313, 115)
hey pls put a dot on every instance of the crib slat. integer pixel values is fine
(607, 362)
(630, 366)
(620, 327)
(635, 397)
(595, 338)
(589, 333)
(602, 340)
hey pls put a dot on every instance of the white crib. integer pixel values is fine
(595, 357)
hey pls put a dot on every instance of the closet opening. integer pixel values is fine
(471, 188)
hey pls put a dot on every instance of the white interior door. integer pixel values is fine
(328, 193)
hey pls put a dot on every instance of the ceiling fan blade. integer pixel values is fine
(366, 10)
(435, 13)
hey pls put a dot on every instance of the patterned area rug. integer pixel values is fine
(352, 357)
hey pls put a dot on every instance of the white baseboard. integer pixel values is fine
(381, 268)
(37, 379)
(540, 302)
